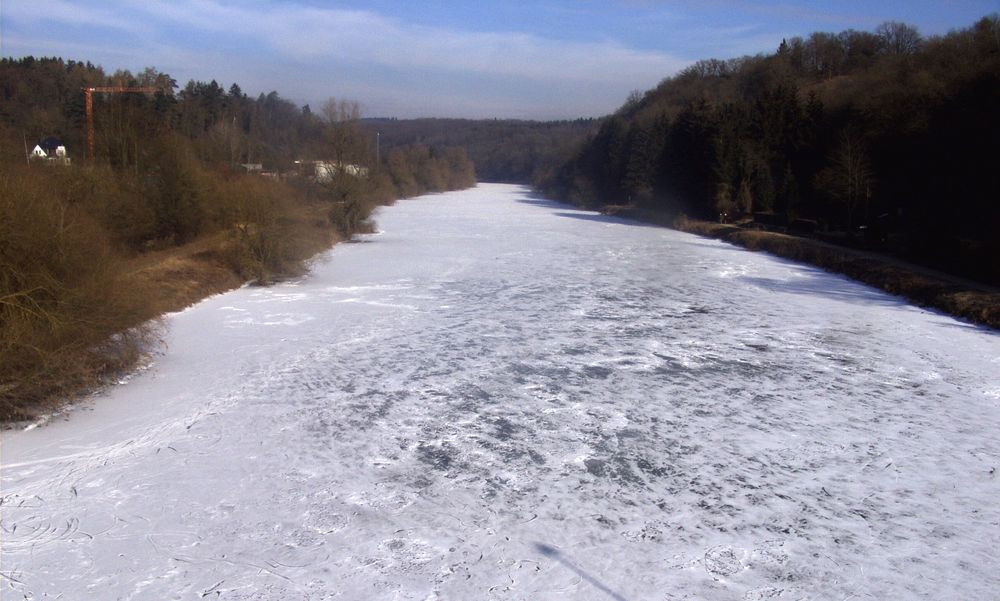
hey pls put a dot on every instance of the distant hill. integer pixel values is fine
(503, 150)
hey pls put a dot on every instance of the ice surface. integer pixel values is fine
(504, 398)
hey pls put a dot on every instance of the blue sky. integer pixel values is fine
(490, 58)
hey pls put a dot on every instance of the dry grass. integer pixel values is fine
(181, 276)
(176, 282)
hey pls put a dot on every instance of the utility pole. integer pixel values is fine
(378, 153)
(89, 93)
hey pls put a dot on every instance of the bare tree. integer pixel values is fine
(849, 178)
(725, 205)
(899, 38)
(344, 130)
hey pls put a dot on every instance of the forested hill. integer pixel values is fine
(43, 97)
(886, 129)
(503, 150)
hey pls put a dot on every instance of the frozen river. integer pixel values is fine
(497, 397)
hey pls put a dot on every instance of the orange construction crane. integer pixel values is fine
(89, 92)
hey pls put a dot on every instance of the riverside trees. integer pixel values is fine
(170, 168)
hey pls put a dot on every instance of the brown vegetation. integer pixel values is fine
(166, 213)
(78, 288)
(67, 313)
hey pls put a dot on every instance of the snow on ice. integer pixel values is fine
(498, 397)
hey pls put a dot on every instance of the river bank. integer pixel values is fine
(180, 277)
(956, 296)
(156, 283)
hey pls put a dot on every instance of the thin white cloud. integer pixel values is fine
(44, 46)
(337, 42)
(302, 33)
(70, 13)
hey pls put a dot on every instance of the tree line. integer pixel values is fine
(886, 138)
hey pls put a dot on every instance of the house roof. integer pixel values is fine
(50, 144)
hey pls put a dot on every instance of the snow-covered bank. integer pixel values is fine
(500, 397)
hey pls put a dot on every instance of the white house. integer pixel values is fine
(325, 171)
(54, 155)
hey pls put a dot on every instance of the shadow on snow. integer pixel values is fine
(819, 283)
(557, 555)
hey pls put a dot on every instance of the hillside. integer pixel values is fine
(881, 139)
(190, 191)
